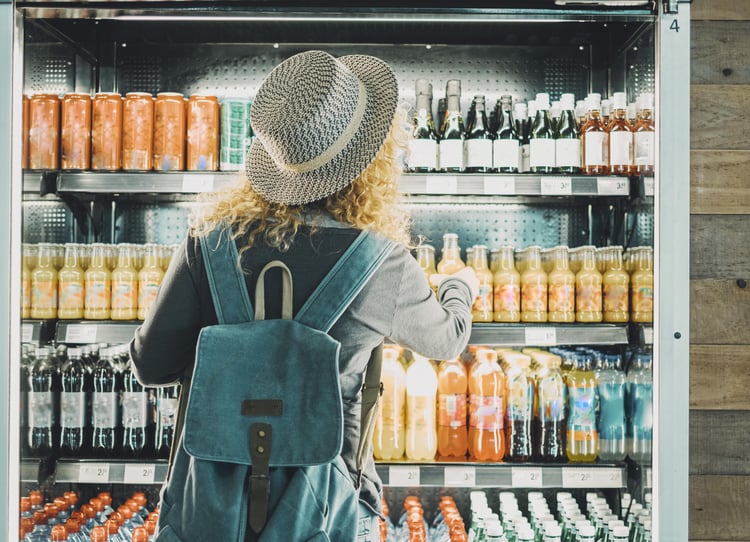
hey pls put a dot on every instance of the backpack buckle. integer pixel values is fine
(260, 482)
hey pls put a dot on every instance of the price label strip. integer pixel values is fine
(648, 186)
(612, 187)
(591, 478)
(460, 476)
(540, 336)
(441, 184)
(93, 473)
(499, 186)
(81, 333)
(142, 473)
(403, 476)
(197, 183)
(27, 333)
(557, 186)
(526, 477)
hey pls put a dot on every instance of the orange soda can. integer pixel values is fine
(203, 133)
(169, 131)
(106, 131)
(25, 132)
(137, 131)
(76, 131)
(44, 131)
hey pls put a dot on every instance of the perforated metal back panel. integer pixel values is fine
(643, 234)
(163, 223)
(47, 222)
(49, 68)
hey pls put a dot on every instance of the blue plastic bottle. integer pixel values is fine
(611, 421)
(641, 419)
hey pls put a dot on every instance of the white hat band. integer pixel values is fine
(341, 142)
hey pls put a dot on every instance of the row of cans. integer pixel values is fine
(139, 132)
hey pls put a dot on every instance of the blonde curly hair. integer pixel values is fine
(370, 202)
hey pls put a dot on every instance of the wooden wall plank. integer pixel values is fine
(719, 182)
(719, 246)
(720, 10)
(718, 507)
(714, 444)
(717, 118)
(718, 52)
(720, 377)
(720, 312)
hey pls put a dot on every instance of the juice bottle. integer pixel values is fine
(389, 437)
(582, 437)
(615, 283)
(452, 390)
(533, 288)
(149, 280)
(450, 261)
(426, 261)
(481, 311)
(620, 138)
(486, 408)
(98, 285)
(588, 288)
(25, 284)
(507, 287)
(562, 286)
(44, 285)
(644, 136)
(124, 286)
(421, 392)
(549, 414)
(642, 287)
(594, 139)
(519, 412)
(70, 286)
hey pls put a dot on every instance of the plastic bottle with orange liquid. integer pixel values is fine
(421, 398)
(389, 436)
(486, 408)
(481, 311)
(452, 393)
(507, 288)
(533, 287)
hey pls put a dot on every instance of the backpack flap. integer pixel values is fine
(266, 359)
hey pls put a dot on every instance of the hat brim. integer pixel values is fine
(279, 185)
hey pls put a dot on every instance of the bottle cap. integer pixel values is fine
(39, 517)
(59, 533)
(646, 100)
(506, 99)
(99, 534)
(594, 102)
(25, 504)
(453, 87)
(606, 107)
(551, 528)
(111, 526)
(423, 88)
(494, 528)
(567, 102)
(587, 530)
(555, 109)
(140, 534)
(542, 101)
(532, 108)
(621, 532)
(72, 526)
(619, 101)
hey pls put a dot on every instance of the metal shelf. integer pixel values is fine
(528, 476)
(147, 182)
(37, 331)
(90, 331)
(548, 334)
(111, 472)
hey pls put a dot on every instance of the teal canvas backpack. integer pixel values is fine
(258, 457)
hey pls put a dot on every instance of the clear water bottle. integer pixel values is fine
(641, 419)
(105, 418)
(74, 399)
(611, 422)
(135, 415)
(42, 403)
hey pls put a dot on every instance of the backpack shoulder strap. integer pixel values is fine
(345, 280)
(225, 278)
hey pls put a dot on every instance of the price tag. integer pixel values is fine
(197, 183)
(499, 186)
(93, 473)
(441, 184)
(139, 473)
(557, 186)
(460, 476)
(648, 484)
(648, 335)
(27, 333)
(403, 476)
(648, 186)
(612, 187)
(581, 478)
(540, 336)
(81, 333)
(526, 477)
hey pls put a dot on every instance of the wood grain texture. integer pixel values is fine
(726, 10)
(718, 443)
(719, 247)
(719, 182)
(720, 377)
(718, 507)
(717, 117)
(719, 312)
(718, 52)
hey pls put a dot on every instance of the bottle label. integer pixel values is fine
(561, 298)
(26, 294)
(643, 420)
(582, 400)
(595, 148)
(542, 153)
(167, 411)
(589, 297)
(104, 409)
(134, 409)
(612, 411)
(423, 153)
(124, 294)
(98, 294)
(507, 298)
(520, 398)
(72, 409)
(551, 402)
(506, 153)
(615, 298)
(40, 409)
(486, 412)
(534, 297)
(44, 294)
(643, 299)
(478, 153)
(483, 301)
(452, 410)
(644, 148)
(525, 158)
(568, 152)
(621, 148)
(451, 154)
(71, 294)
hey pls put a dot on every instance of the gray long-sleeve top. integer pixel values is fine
(396, 303)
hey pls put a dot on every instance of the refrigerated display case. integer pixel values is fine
(494, 48)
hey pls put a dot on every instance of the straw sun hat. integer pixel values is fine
(319, 122)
